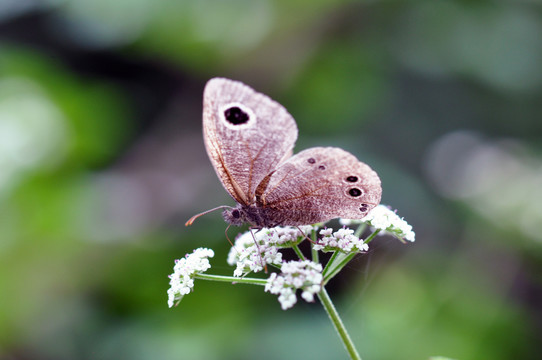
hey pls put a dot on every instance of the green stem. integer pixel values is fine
(338, 267)
(337, 322)
(231, 279)
(329, 262)
(298, 252)
(314, 253)
(372, 236)
(360, 229)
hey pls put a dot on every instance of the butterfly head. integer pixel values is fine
(235, 216)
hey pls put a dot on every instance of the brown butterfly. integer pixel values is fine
(250, 138)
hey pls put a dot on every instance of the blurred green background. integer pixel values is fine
(102, 161)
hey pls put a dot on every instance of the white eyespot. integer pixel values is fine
(351, 179)
(355, 192)
(237, 116)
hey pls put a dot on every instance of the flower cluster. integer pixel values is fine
(381, 217)
(254, 249)
(305, 275)
(181, 281)
(342, 240)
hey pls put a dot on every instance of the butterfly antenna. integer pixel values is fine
(193, 218)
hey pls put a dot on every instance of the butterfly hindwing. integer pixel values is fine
(319, 184)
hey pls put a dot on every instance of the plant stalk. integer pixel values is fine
(338, 324)
(231, 279)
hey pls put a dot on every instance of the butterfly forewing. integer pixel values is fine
(317, 185)
(246, 135)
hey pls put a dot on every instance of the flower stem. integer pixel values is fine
(372, 236)
(337, 322)
(360, 229)
(314, 253)
(329, 262)
(298, 252)
(231, 279)
(339, 263)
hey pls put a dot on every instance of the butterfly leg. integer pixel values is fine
(264, 265)
(227, 237)
(304, 235)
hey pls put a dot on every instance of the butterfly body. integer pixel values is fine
(250, 138)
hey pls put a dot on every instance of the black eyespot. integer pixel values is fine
(352, 178)
(363, 208)
(311, 161)
(355, 192)
(321, 167)
(236, 214)
(236, 116)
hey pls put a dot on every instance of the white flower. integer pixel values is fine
(181, 281)
(342, 240)
(288, 236)
(305, 275)
(348, 222)
(381, 217)
(254, 249)
(249, 255)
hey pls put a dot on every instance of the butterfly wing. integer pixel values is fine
(246, 135)
(316, 185)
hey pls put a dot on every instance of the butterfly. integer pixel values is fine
(250, 139)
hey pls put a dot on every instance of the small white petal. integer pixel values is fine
(181, 281)
(307, 296)
(304, 275)
(381, 217)
(287, 299)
